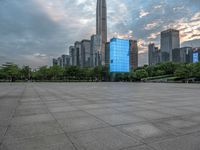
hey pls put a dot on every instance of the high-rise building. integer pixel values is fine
(154, 54)
(196, 55)
(72, 55)
(101, 26)
(95, 50)
(119, 55)
(169, 40)
(85, 53)
(182, 55)
(55, 62)
(62, 61)
(133, 54)
(59, 61)
(65, 60)
(77, 47)
(107, 54)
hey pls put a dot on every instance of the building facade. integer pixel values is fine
(85, 53)
(182, 55)
(95, 51)
(154, 54)
(107, 54)
(196, 55)
(133, 54)
(119, 55)
(72, 55)
(55, 62)
(62, 61)
(101, 26)
(169, 40)
(65, 60)
(77, 46)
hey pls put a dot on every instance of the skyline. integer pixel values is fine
(35, 31)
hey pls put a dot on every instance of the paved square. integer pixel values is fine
(99, 116)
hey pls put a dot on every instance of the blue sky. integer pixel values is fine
(32, 32)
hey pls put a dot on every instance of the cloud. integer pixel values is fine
(143, 13)
(153, 36)
(40, 55)
(158, 6)
(36, 60)
(35, 31)
(152, 25)
(196, 17)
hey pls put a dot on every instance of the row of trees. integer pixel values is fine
(71, 73)
(11, 72)
(181, 71)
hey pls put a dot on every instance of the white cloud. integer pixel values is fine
(40, 55)
(196, 16)
(143, 13)
(36, 60)
(179, 8)
(152, 25)
(153, 35)
(158, 6)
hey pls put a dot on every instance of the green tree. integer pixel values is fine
(196, 70)
(106, 73)
(126, 77)
(150, 70)
(26, 72)
(182, 73)
(42, 73)
(98, 71)
(2, 74)
(141, 73)
(72, 72)
(168, 67)
(11, 71)
(132, 76)
(118, 77)
(55, 72)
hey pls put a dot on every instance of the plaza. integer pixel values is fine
(99, 116)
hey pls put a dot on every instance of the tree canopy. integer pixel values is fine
(11, 72)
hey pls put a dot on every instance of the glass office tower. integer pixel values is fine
(119, 56)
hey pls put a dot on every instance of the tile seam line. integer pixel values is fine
(18, 99)
(109, 125)
(65, 133)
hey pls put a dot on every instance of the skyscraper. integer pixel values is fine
(72, 55)
(65, 60)
(133, 54)
(95, 49)
(107, 54)
(55, 62)
(77, 46)
(119, 55)
(169, 40)
(182, 55)
(154, 54)
(85, 53)
(101, 26)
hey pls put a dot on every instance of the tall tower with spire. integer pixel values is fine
(101, 26)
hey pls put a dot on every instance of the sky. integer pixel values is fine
(32, 32)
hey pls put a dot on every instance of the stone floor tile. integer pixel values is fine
(102, 139)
